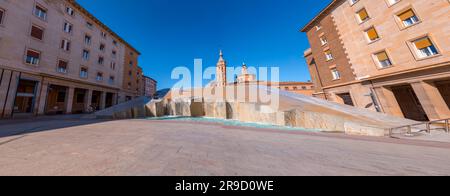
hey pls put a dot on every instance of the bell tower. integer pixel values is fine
(221, 72)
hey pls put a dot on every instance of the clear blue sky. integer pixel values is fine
(171, 33)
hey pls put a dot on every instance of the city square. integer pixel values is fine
(224, 88)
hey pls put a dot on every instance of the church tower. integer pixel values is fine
(221, 73)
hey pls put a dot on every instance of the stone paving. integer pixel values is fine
(141, 147)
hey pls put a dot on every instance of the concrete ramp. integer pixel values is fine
(131, 109)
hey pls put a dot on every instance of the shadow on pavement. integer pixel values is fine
(18, 127)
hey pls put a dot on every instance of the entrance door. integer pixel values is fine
(96, 97)
(109, 100)
(78, 105)
(409, 103)
(444, 88)
(25, 97)
(56, 100)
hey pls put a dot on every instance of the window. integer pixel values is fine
(67, 27)
(130, 73)
(408, 18)
(318, 27)
(37, 32)
(62, 66)
(86, 55)
(392, 2)
(89, 25)
(425, 47)
(131, 63)
(129, 85)
(32, 57)
(2, 13)
(323, 40)
(83, 72)
(102, 47)
(372, 34)
(70, 11)
(101, 60)
(328, 55)
(99, 76)
(304, 88)
(362, 15)
(40, 12)
(87, 39)
(103, 34)
(65, 45)
(383, 59)
(352, 2)
(115, 42)
(113, 65)
(111, 80)
(336, 74)
(295, 88)
(114, 53)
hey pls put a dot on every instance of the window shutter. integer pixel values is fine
(423, 43)
(62, 64)
(372, 33)
(37, 32)
(363, 14)
(33, 54)
(382, 56)
(406, 15)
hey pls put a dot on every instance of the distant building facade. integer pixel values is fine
(57, 58)
(132, 75)
(304, 88)
(150, 86)
(390, 56)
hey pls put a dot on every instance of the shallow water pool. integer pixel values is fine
(227, 122)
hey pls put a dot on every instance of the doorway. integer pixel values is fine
(25, 97)
(409, 103)
(56, 100)
(96, 98)
(78, 105)
(444, 89)
(109, 100)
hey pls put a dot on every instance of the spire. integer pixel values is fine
(244, 68)
(221, 56)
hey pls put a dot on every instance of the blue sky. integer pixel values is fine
(172, 33)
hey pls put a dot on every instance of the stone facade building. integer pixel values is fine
(391, 56)
(57, 58)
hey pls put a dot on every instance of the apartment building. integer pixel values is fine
(390, 56)
(132, 74)
(57, 58)
(150, 86)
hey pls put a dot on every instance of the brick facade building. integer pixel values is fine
(390, 56)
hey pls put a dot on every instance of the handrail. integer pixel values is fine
(427, 124)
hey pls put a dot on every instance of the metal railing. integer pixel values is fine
(428, 126)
